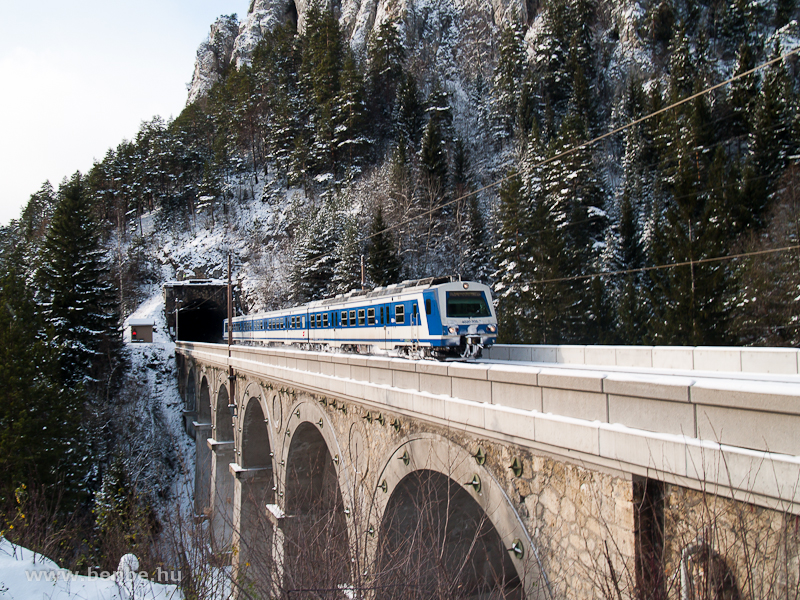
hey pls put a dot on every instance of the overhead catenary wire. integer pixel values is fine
(685, 263)
(591, 142)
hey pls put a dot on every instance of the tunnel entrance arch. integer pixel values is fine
(201, 320)
(316, 550)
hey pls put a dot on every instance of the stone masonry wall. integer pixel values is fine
(581, 521)
(729, 549)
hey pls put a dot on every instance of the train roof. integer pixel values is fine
(378, 292)
(389, 290)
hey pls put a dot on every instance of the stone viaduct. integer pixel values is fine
(539, 472)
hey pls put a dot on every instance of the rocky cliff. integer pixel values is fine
(230, 42)
(213, 56)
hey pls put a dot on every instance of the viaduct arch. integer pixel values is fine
(289, 480)
(395, 486)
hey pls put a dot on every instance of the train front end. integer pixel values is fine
(465, 316)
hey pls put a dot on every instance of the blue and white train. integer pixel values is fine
(434, 317)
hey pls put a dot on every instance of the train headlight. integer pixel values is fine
(491, 328)
(452, 330)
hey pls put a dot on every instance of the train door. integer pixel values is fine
(384, 316)
(415, 319)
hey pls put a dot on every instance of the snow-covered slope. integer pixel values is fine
(28, 576)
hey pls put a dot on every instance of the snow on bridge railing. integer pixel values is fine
(777, 361)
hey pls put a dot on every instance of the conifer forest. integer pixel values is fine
(583, 161)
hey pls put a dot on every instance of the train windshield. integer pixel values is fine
(467, 305)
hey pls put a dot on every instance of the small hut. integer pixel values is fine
(141, 330)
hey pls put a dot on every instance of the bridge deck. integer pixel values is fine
(722, 428)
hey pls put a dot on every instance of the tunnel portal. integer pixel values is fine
(195, 309)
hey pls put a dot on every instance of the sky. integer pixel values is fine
(76, 78)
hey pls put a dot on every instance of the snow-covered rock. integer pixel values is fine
(357, 18)
(213, 56)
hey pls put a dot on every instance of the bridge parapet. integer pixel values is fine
(733, 435)
(783, 361)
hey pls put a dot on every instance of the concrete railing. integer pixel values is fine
(783, 361)
(738, 434)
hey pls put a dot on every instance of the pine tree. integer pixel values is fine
(681, 67)
(410, 110)
(322, 60)
(689, 302)
(511, 254)
(40, 436)
(743, 92)
(471, 243)
(575, 196)
(351, 137)
(37, 213)
(276, 61)
(78, 300)
(314, 259)
(348, 253)
(661, 21)
(635, 205)
(771, 142)
(552, 303)
(433, 161)
(551, 61)
(784, 10)
(630, 314)
(383, 264)
(507, 84)
(385, 59)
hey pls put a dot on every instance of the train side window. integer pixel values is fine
(319, 320)
(352, 318)
(400, 314)
(325, 320)
(312, 321)
(303, 321)
(427, 306)
(370, 316)
(344, 318)
(361, 316)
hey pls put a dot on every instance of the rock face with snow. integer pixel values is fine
(213, 56)
(357, 18)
